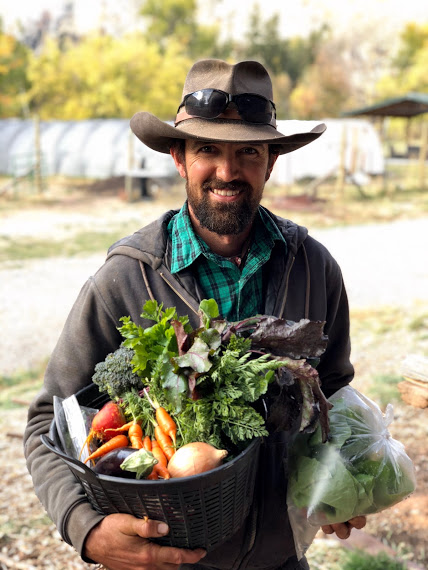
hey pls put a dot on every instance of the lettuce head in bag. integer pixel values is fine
(360, 470)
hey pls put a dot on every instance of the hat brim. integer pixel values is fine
(159, 135)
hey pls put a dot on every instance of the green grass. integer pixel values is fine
(358, 560)
(20, 387)
(82, 243)
(383, 389)
(382, 337)
(323, 555)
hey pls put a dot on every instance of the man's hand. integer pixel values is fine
(120, 542)
(343, 530)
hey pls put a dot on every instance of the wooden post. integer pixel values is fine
(423, 154)
(340, 183)
(38, 156)
(128, 178)
(386, 153)
(355, 158)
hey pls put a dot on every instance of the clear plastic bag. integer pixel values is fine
(360, 470)
(73, 423)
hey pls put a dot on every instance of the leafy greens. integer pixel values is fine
(360, 470)
(213, 378)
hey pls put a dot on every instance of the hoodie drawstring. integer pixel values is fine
(307, 289)
(308, 282)
(146, 281)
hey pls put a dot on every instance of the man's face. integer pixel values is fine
(224, 182)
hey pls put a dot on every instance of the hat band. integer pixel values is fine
(229, 114)
(214, 104)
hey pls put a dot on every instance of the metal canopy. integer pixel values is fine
(409, 105)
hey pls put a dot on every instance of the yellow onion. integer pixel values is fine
(194, 458)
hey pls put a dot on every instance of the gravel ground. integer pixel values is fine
(382, 265)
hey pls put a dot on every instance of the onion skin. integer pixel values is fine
(195, 458)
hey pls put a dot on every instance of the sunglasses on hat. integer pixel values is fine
(211, 103)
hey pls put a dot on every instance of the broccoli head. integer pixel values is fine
(115, 376)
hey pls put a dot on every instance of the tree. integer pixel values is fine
(409, 66)
(412, 39)
(106, 77)
(323, 89)
(177, 19)
(290, 56)
(13, 77)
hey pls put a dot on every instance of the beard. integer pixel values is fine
(224, 219)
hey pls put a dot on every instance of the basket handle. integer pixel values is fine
(73, 464)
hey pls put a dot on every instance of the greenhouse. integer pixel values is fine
(98, 148)
(105, 148)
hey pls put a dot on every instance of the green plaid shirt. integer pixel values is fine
(239, 293)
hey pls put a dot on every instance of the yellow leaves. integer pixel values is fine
(13, 82)
(107, 77)
(7, 45)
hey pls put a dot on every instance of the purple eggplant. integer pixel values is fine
(110, 463)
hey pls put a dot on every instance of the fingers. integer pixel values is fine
(171, 555)
(148, 528)
(358, 522)
(343, 530)
(121, 541)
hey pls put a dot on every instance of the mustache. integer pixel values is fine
(221, 185)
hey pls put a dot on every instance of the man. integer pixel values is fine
(221, 244)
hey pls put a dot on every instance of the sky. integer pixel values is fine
(297, 16)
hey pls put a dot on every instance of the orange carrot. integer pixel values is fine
(113, 443)
(147, 443)
(121, 429)
(164, 441)
(166, 423)
(135, 435)
(158, 453)
(161, 467)
(161, 471)
(163, 418)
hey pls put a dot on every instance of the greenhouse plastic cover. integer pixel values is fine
(363, 153)
(100, 149)
(97, 148)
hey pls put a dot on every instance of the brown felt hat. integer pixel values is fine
(244, 77)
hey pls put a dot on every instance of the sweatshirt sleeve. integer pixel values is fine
(335, 368)
(89, 334)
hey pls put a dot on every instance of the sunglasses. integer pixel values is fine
(210, 103)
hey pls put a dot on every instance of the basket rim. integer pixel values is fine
(200, 476)
(75, 464)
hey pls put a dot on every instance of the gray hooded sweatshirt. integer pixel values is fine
(306, 282)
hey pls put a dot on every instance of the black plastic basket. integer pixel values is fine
(201, 511)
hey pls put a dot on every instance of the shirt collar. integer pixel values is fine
(187, 246)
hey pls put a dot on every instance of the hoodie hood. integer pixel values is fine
(149, 244)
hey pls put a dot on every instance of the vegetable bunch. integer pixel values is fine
(212, 381)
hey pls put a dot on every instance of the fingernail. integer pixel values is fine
(162, 528)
